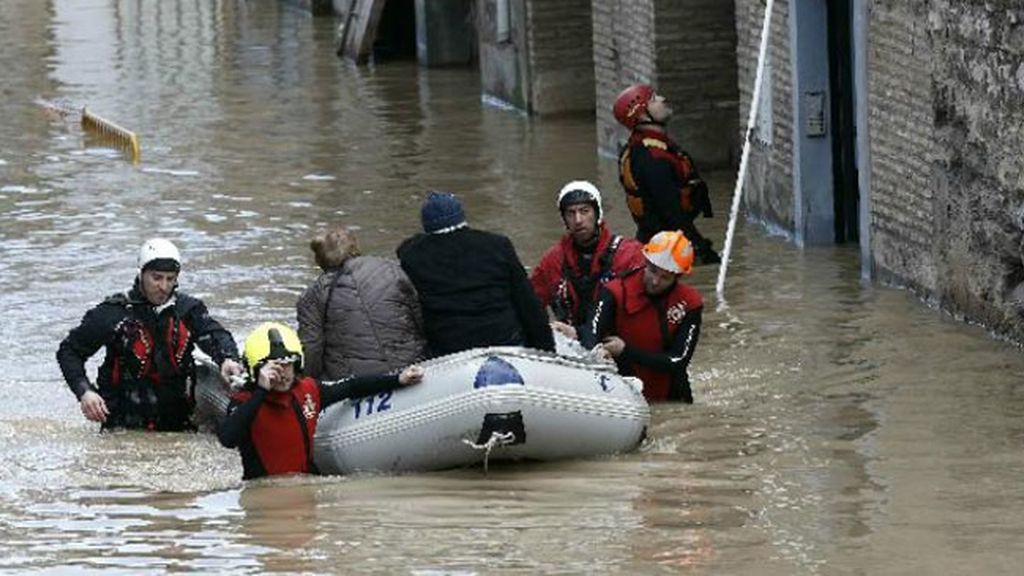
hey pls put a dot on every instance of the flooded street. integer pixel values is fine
(839, 427)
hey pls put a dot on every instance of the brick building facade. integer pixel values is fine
(551, 57)
(685, 48)
(936, 89)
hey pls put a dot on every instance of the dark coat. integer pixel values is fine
(474, 292)
(146, 373)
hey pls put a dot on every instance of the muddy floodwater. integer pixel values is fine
(839, 427)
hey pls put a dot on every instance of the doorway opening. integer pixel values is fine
(396, 31)
(846, 194)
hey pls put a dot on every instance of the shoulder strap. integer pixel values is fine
(654, 143)
(330, 293)
(609, 255)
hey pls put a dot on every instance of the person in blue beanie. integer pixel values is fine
(472, 286)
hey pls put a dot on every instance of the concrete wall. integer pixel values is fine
(687, 49)
(445, 34)
(504, 63)
(545, 65)
(945, 142)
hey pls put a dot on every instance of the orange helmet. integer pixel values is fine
(670, 251)
(631, 103)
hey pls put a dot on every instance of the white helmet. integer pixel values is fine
(158, 249)
(578, 192)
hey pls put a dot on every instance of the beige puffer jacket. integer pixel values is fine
(372, 323)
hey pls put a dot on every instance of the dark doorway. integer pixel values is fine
(396, 32)
(844, 135)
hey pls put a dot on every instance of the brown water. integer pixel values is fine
(840, 428)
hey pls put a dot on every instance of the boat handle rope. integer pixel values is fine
(496, 439)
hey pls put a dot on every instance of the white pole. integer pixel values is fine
(755, 101)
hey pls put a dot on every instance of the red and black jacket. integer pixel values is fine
(146, 375)
(274, 431)
(660, 333)
(663, 189)
(559, 282)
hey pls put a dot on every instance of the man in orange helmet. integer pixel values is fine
(649, 321)
(663, 189)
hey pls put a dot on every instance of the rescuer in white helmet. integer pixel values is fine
(149, 334)
(587, 256)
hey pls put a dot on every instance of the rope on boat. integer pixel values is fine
(496, 439)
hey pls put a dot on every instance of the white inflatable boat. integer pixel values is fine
(485, 403)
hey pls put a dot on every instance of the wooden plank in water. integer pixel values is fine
(360, 30)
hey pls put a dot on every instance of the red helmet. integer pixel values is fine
(631, 103)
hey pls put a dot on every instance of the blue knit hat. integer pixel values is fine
(442, 212)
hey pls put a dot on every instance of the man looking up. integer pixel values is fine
(663, 189)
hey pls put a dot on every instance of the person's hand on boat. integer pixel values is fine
(410, 375)
(231, 369)
(94, 407)
(613, 345)
(564, 329)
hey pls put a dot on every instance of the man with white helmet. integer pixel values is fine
(586, 257)
(149, 334)
(649, 321)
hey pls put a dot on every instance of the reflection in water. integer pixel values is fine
(839, 428)
(280, 517)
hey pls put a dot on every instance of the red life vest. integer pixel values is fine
(282, 432)
(644, 326)
(149, 376)
(660, 147)
(558, 277)
(136, 347)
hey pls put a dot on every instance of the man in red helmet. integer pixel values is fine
(663, 189)
(649, 322)
(587, 256)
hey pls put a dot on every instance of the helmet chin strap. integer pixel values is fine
(591, 242)
(652, 122)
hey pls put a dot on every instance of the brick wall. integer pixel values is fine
(769, 187)
(903, 145)
(560, 59)
(946, 138)
(623, 54)
(973, 166)
(686, 48)
(695, 55)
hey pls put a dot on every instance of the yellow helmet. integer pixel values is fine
(670, 251)
(271, 341)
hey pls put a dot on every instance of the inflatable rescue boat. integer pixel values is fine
(482, 404)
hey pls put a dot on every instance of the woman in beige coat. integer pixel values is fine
(361, 315)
